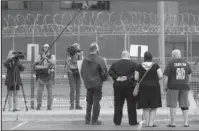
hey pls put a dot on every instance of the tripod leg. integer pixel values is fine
(6, 99)
(14, 98)
(24, 97)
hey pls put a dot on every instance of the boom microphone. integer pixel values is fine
(84, 6)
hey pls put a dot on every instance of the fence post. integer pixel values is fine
(31, 76)
(139, 55)
(161, 44)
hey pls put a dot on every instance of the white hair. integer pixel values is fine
(46, 45)
(9, 54)
(176, 53)
(97, 47)
(95, 43)
(125, 54)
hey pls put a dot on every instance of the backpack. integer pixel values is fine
(42, 73)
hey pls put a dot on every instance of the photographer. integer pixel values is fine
(45, 76)
(75, 54)
(13, 65)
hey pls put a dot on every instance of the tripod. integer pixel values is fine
(15, 86)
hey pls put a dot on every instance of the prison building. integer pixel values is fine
(114, 24)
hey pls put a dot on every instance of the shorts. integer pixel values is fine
(180, 96)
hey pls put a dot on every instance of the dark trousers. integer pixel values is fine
(75, 83)
(122, 92)
(93, 98)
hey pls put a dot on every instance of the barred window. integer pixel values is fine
(93, 5)
(33, 5)
(4, 5)
(21, 5)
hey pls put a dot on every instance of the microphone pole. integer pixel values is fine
(84, 7)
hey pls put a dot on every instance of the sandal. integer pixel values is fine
(152, 126)
(186, 125)
(171, 125)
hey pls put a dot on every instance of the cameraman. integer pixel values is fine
(13, 65)
(45, 78)
(75, 54)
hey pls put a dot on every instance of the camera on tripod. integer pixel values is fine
(18, 55)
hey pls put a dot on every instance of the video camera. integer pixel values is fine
(18, 55)
(72, 50)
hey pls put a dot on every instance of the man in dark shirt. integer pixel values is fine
(94, 73)
(177, 76)
(122, 73)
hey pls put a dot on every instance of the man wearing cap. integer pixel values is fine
(46, 77)
(75, 54)
(93, 72)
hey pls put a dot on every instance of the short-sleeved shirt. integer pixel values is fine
(72, 61)
(177, 71)
(151, 78)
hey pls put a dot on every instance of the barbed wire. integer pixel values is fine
(89, 23)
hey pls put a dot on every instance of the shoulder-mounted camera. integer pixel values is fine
(18, 55)
(72, 50)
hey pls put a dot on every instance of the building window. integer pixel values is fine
(15, 5)
(4, 5)
(33, 5)
(22, 5)
(93, 5)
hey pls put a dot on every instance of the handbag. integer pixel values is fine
(136, 89)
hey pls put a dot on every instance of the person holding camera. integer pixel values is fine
(45, 76)
(75, 54)
(13, 78)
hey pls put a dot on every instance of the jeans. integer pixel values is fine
(75, 84)
(40, 92)
(93, 98)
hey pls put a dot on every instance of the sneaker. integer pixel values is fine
(87, 122)
(16, 110)
(71, 108)
(133, 124)
(79, 108)
(49, 108)
(38, 107)
(96, 123)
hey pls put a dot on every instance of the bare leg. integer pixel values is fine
(10, 100)
(185, 115)
(146, 115)
(173, 115)
(152, 114)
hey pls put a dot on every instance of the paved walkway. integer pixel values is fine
(64, 119)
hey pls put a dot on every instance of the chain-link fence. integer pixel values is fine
(61, 89)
